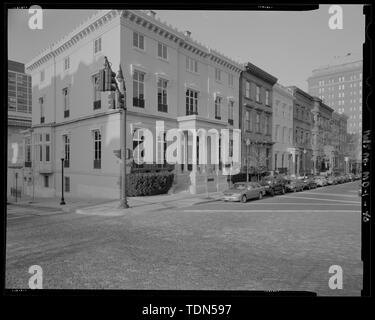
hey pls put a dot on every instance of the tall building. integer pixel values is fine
(339, 141)
(282, 120)
(19, 119)
(255, 100)
(170, 78)
(339, 85)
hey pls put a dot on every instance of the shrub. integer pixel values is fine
(147, 184)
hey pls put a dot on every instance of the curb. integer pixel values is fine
(207, 201)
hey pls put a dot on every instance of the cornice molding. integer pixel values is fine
(140, 18)
(93, 23)
(253, 69)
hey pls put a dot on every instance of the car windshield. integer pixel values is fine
(239, 186)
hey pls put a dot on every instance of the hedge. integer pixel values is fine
(147, 184)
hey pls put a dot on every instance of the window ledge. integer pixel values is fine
(162, 59)
(139, 50)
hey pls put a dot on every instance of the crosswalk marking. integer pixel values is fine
(301, 204)
(259, 210)
(331, 194)
(321, 199)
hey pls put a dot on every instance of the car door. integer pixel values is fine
(249, 191)
(256, 190)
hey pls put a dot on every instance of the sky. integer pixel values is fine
(286, 44)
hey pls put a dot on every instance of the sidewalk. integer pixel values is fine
(110, 207)
(150, 203)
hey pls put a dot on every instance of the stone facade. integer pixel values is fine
(169, 77)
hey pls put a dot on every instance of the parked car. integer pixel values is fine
(242, 191)
(321, 181)
(294, 185)
(273, 185)
(339, 179)
(310, 183)
(331, 180)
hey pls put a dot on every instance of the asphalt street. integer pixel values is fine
(286, 242)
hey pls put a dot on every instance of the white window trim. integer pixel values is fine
(162, 58)
(101, 45)
(144, 41)
(140, 68)
(65, 59)
(164, 76)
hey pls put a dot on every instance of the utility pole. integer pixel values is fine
(122, 104)
(108, 82)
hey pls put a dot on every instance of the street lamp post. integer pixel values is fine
(16, 185)
(122, 95)
(304, 162)
(62, 202)
(247, 159)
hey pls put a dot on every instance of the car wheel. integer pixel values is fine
(260, 195)
(244, 199)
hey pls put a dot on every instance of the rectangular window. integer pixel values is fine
(46, 181)
(65, 93)
(138, 89)
(217, 74)
(191, 102)
(41, 108)
(66, 63)
(66, 140)
(42, 75)
(257, 122)
(268, 125)
(47, 153)
(97, 45)
(97, 149)
(247, 119)
(162, 95)
(162, 51)
(247, 90)
(28, 150)
(257, 97)
(191, 65)
(67, 184)
(40, 153)
(138, 41)
(230, 112)
(96, 91)
(268, 98)
(218, 108)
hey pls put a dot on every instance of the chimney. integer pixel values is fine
(187, 33)
(151, 13)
